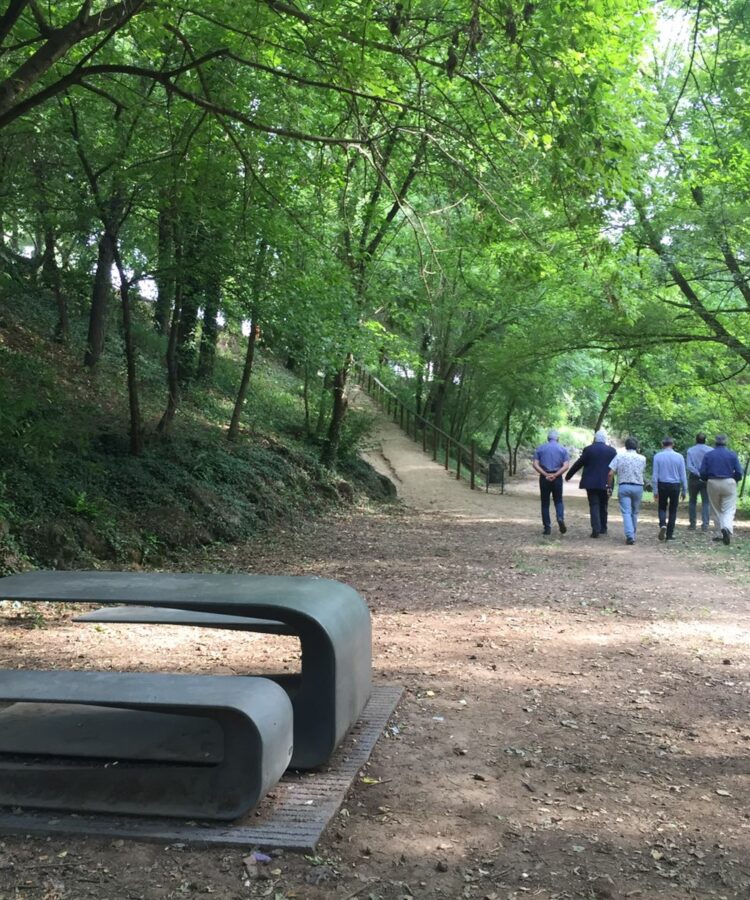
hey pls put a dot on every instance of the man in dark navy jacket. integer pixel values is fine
(595, 460)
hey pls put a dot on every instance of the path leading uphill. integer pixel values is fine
(574, 722)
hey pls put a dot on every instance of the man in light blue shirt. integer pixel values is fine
(669, 476)
(551, 460)
(694, 458)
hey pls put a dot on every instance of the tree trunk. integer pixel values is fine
(100, 295)
(333, 440)
(607, 403)
(247, 371)
(419, 389)
(322, 406)
(306, 398)
(519, 438)
(173, 382)
(136, 427)
(511, 470)
(51, 275)
(165, 275)
(496, 439)
(190, 277)
(209, 334)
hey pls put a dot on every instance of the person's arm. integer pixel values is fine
(655, 476)
(683, 473)
(738, 470)
(611, 475)
(563, 468)
(579, 463)
(704, 468)
(537, 467)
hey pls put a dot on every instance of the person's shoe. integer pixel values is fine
(704, 527)
(603, 531)
(595, 534)
(670, 537)
(726, 536)
(562, 526)
(662, 532)
(691, 527)
(547, 531)
(629, 540)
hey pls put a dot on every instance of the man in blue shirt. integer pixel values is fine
(668, 477)
(693, 459)
(595, 460)
(551, 461)
(721, 469)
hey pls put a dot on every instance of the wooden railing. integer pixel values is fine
(443, 447)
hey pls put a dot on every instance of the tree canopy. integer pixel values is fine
(520, 213)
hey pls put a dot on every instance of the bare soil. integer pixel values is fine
(574, 722)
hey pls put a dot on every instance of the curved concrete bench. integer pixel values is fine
(330, 619)
(120, 742)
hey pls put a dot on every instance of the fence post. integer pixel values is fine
(472, 479)
(400, 415)
(447, 452)
(434, 443)
(424, 435)
(458, 462)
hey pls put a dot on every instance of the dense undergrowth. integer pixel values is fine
(72, 496)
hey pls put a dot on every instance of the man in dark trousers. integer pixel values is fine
(551, 461)
(669, 478)
(595, 460)
(693, 460)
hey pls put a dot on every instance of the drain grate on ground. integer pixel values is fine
(293, 815)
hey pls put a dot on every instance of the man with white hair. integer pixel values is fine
(721, 469)
(551, 461)
(595, 460)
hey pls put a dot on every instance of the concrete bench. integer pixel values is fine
(330, 619)
(193, 746)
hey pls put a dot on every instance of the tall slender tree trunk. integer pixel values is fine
(136, 427)
(323, 404)
(306, 397)
(100, 297)
(497, 437)
(607, 403)
(209, 334)
(509, 446)
(51, 275)
(247, 371)
(191, 279)
(419, 387)
(520, 435)
(165, 275)
(333, 439)
(173, 382)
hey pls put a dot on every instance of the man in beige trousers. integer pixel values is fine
(721, 470)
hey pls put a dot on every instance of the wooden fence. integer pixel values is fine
(444, 448)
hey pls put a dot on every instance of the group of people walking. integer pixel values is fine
(711, 474)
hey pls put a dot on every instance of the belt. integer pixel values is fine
(634, 483)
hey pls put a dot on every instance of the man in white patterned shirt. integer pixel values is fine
(630, 468)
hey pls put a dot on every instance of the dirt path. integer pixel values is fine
(574, 723)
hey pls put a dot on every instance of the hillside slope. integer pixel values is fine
(72, 496)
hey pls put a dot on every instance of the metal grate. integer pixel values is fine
(293, 815)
